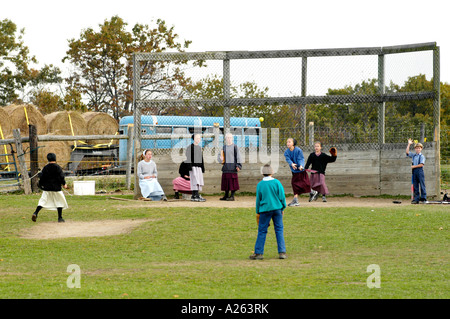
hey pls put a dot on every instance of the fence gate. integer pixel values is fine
(9, 175)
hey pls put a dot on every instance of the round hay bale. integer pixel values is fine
(58, 123)
(5, 123)
(18, 119)
(100, 123)
(62, 150)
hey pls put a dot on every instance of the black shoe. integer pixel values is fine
(230, 199)
(34, 217)
(61, 220)
(414, 202)
(223, 198)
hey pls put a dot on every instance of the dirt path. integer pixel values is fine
(249, 201)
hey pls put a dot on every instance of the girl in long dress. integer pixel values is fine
(194, 158)
(50, 181)
(300, 180)
(148, 177)
(182, 184)
(318, 162)
(231, 165)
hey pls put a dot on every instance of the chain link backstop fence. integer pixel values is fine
(363, 97)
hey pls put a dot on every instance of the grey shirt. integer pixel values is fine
(232, 158)
(146, 169)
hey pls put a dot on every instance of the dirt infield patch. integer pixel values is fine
(53, 230)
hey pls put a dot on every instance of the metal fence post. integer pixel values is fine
(311, 133)
(129, 155)
(437, 115)
(381, 105)
(136, 138)
(303, 106)
(226, 95)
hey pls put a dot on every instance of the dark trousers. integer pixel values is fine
(418, 177)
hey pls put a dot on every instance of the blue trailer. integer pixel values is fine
(246, 131)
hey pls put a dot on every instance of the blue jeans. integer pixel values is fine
(418, 177)
(264, 220)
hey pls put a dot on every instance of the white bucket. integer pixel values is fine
(84, 187)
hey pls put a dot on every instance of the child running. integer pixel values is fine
(319, 160)
(50, 181)
(300, 180)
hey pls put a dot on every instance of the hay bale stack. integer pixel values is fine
(59, 123)
(18, 118)
(5, 123)
(99, 123)
(62, 149)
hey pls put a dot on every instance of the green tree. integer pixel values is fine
(16, 73)
(211, 88)
(445, 104)
(103, 61)
(48, 102)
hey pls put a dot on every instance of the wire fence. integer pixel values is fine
(359, 95)
(363, 96)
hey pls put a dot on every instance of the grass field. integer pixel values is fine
(191, 252)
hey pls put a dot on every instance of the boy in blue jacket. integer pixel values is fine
(270, 203)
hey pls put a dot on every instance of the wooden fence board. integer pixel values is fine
(370, 172)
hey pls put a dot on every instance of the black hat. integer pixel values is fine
(51, 157)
